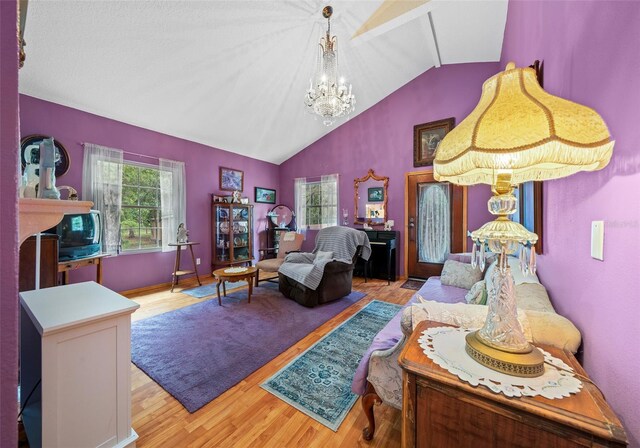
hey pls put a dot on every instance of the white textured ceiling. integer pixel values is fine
(232, 74)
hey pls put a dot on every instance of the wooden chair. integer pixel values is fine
(289, 242)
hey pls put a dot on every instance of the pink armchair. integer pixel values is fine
(289, 242)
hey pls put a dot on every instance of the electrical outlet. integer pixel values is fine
(197, 261)
(597, 240)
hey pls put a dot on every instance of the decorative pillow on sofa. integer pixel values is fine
(458, 314)
(458, 274)
(477, 295)
(538, 327)
(462, 257)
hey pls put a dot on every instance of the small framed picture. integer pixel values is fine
(375, 194)
(265, 195)
(231, 179)
(375, 212)
(427, 137)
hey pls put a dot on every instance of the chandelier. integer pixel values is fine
(328, 95)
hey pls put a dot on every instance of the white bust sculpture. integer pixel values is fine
(183, 234)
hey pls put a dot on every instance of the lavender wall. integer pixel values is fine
(9, 132)
(590, 54)
(71, 127)
(382, 138)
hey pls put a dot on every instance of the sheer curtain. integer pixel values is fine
(173, 200)
(329, 189)
(102, 184)
(299, 189)
(434, 222)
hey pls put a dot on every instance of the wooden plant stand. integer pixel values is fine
(177, 273)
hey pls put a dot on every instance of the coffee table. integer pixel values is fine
(248, 275)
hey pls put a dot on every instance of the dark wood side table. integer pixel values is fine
(440, 410)
(176, 268)
(71, 265)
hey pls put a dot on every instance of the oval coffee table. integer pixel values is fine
(248, 274)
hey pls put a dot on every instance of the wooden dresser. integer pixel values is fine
(440, 410)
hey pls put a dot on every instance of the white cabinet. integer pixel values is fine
(75, 355)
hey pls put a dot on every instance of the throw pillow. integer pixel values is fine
(458, 274)
(477, 295)
(462, 257)
(460, 314)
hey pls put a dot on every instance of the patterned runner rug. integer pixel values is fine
(318, 382)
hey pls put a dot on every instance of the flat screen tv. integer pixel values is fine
(80, 235)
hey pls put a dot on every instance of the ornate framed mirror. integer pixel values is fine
(370, 198)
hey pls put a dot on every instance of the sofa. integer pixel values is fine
(378, 378)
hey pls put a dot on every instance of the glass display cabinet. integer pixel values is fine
(232, 234)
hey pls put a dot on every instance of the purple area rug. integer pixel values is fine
(198, 352)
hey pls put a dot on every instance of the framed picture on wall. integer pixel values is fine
(265, 195)
(427, 137)
(375, 194)
(231, 179)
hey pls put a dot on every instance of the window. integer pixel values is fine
(141, 218)
(141, 205)
(317, 202)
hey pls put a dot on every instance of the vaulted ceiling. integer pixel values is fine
(232, 74)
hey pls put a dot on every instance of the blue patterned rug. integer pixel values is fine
(318, 382)
(209, 289)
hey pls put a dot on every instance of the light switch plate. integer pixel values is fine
(597, 240)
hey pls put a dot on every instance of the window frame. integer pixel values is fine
(320, 207)
(122, 207)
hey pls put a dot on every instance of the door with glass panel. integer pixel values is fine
(436, 223)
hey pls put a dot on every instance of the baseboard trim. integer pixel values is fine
(191, 281)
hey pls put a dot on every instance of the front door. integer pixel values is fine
(436, 213)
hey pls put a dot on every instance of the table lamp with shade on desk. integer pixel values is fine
(517, 133)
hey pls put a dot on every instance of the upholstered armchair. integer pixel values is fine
(290, 242)
(325, 274)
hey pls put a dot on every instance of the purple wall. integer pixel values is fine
(590, 52)
(382, 138)
(71, 127)
(9, 132)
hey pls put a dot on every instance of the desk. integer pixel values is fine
(71, 265)
(440, 410)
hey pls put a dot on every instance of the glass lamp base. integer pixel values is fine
(529, 363)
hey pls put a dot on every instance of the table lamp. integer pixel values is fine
(517, 133)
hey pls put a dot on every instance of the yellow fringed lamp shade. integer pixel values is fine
(520, 129)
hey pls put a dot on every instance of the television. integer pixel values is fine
(79, 235)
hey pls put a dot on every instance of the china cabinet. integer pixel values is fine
(232, 238)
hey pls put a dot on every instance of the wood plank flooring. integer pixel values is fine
(246, 415)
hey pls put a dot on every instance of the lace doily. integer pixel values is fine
(235, 270)
(446, 347)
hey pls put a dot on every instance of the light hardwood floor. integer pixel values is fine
(246, 415)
